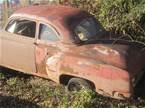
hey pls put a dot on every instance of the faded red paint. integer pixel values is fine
(109, 64)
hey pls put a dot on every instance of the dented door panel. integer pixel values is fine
(47, 59)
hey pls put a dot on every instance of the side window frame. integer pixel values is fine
(5, 27)
(24, 18)
(52, 28)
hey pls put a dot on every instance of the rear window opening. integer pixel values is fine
(89, 29)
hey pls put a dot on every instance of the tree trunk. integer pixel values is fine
(24, 3)
(5, 11)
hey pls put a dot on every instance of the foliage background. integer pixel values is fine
(125, 17)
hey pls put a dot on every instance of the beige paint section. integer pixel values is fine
(17, 52)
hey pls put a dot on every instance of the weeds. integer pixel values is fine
(41, 93)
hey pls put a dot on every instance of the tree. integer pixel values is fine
(24, 3)
(5, 11)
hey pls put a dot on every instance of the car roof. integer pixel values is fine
(63, 18)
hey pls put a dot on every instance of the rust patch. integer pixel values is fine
(67, 69)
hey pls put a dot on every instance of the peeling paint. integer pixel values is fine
(106, 51)
(52, 61)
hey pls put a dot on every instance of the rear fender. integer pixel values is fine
(106, 78)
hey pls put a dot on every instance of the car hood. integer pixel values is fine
(126, 55)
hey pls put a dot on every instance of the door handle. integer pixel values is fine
(35, 43)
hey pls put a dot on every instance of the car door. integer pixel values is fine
(17, 45)
(48, 53)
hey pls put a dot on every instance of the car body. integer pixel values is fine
(60, 43)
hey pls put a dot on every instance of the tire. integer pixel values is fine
(76, 84)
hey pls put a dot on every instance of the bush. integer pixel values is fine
(123, 17)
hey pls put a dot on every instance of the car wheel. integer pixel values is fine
(76, 84)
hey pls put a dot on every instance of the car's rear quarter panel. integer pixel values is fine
(105, 77)
(111, 67)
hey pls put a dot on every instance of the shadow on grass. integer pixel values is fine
(8, 73)
(14, 102)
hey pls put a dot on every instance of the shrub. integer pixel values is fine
(83, 99)
(123, 17)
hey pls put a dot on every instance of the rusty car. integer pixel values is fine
(70, 47)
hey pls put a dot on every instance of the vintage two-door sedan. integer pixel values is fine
(69, 46)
